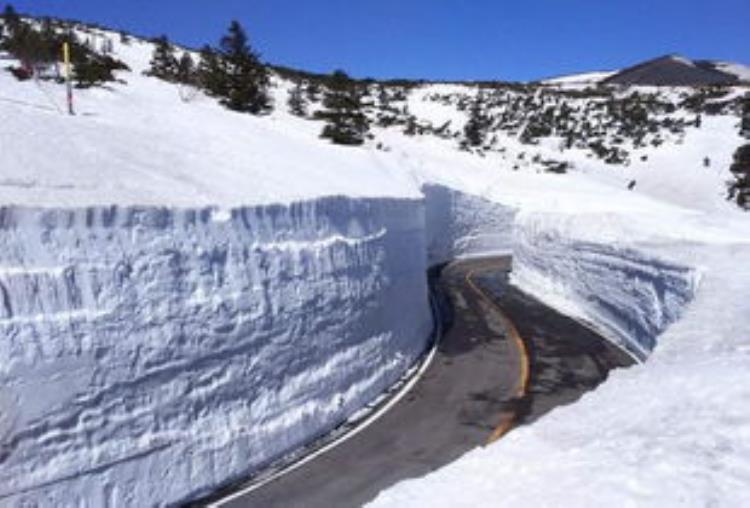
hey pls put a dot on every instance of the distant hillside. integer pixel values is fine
(671, 70)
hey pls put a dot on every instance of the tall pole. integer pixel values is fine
(66, 59)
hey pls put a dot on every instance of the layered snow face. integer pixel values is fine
(461, 224)
(632, 296)
(152, 354)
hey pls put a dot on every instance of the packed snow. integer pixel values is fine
(189, 293)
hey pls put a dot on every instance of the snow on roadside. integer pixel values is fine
(673, 431)
(149, 355)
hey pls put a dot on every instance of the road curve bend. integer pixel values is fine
(505, 359)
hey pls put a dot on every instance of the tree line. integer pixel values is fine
(38, 47)
(233, 73)
(739, 186)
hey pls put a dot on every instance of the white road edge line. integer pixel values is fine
(359, 428)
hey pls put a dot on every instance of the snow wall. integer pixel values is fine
(631, 296)
(149, 355)
(460, 224)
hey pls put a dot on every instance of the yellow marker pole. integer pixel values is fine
(66, 59)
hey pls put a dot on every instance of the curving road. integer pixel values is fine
(504, 359)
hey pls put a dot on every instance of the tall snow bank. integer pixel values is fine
(461, 224)
(151, 354)
(632, 296)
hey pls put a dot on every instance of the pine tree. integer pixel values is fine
(745, 125)
(313, 91)
(346, 122)
(211, 74)
(34, 48)
(296, 102)
(475, 130)
(412, 128)
(50, 42)
(11, 20)
(164, 64)
(94, 70)
(186, 69)
(739, 189)
(91, 68)
(384, 100)
(245, 76)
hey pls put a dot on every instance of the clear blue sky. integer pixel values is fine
(439, 39)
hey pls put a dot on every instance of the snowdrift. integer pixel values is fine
(460, 224)
(152, 354)
(628, 294)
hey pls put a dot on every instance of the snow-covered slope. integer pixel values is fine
(185, 298)
(584, 78)
(141, 144)
(739, 70)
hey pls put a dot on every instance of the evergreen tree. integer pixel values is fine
(346, 122)
(475, 130)
(186, 69)
(411, 126)
(313, 91)
(296, 101)
(211, 74)
(34, 48)
(91, 72)
(745, 125)
(92, 69)
(384, 99)
(11, 20)
(245, 76)
(739, 188)
(164, 64)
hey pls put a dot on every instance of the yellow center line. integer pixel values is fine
(507, 421)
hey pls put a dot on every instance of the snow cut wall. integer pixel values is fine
(151, 354)
(631, 295)
(461, 224)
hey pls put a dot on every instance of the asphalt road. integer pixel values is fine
(494, 369)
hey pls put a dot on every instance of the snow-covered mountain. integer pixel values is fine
(188, 292)
(669, 70)
(672, 70)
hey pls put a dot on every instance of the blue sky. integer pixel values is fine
(439, 39)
